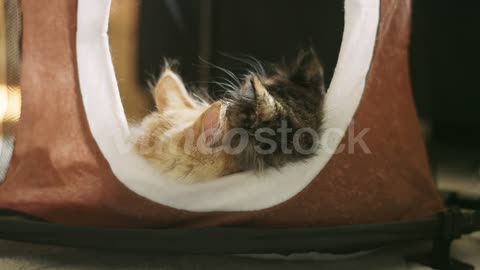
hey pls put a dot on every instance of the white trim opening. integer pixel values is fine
(238, 192)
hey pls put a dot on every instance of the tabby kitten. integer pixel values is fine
(271, 120)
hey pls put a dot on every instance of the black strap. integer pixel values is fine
(342, 239)
(441, 230)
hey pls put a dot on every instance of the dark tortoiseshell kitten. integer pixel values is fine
(271, 119)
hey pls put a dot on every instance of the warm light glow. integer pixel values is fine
(3, 101)
(10, 96)
(3, 109)
(13, 107)
(3, 69)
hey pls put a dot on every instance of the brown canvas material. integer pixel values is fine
(59, 174)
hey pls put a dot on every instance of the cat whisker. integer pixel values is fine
(200, 95)
(224, 85)
(231, 84)
(253, 62)
(226, 71)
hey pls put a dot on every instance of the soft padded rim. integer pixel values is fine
(239, 192)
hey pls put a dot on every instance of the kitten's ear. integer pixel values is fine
(211, 117)
(308, 71)
(265, 103)
(208, 123)
(170, 92)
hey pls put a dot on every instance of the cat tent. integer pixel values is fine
(74, 170)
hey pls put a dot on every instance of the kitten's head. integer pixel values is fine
(271, 119)
(282, 111)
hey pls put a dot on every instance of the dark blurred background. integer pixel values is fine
(202, 31)
(445, 69)
(444, 58)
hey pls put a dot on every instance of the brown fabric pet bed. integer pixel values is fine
(76, 181)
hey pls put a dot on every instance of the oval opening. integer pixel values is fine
(347, 62)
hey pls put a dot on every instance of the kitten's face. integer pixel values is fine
(268, 122)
